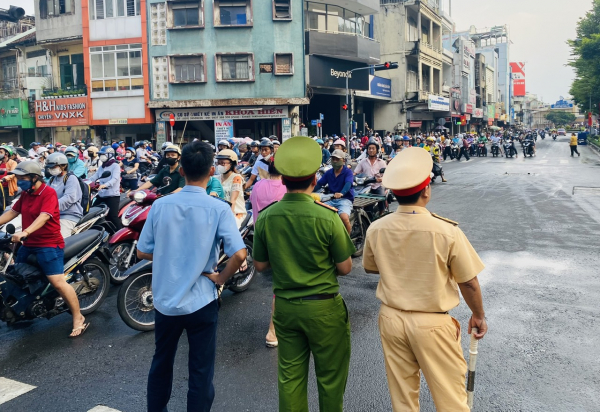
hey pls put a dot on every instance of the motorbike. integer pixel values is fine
(135, 301)
(553, 136)
(508, 149)
(495, 150)
(527, 148)
(481, 150)
(26, 294)
(455, 151)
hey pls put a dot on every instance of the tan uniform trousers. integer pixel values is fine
(430, 342)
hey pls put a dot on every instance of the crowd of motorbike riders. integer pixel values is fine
(244, 175)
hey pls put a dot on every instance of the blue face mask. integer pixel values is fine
(24, 185)
(72, 159)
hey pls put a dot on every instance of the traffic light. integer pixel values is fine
(13, 14)
(319, 125)
(345, 107)
(386, 66)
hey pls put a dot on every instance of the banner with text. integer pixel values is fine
(223, 113)
(223, 129)
(518, 78)
(71, 111)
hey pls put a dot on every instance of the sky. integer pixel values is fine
(538, 30)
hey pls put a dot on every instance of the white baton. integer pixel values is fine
(472, 364)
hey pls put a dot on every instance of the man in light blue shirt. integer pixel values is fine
(182, 236)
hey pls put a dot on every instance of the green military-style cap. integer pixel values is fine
(298, 158)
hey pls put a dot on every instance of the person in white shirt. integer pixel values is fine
(371, 167)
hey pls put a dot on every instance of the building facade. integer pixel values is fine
(226, 68)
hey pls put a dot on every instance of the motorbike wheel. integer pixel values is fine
(118, 254)
(358, 235)
(135, 302)
(98, 278)
(242, 283)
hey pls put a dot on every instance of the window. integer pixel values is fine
(71, 71)
(189, 69)
(282, 10)
(233, 12)
(235, 67)
(412, 78)
(185, 14)
(116, 68)
(54, 8)
(334, 19)
(104, 9)
(284, 63)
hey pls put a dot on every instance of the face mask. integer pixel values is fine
(24, 185)
(1, 156)
(222, 169)
(71, 159)
(267, 157)
(337, 165)
(171, 161)
(55, 171)
(128, 155)
(103, 158)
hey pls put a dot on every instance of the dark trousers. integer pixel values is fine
(574, 150)
(113, 208)
(201, 328)
(463, 152)
(447, 152)
(131, 184)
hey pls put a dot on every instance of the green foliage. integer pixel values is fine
(561, 118)
(585, 50)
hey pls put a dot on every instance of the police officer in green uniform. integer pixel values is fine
(307, 246)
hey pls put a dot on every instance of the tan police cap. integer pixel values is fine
(339, 154)
(298, 158)
(409, 172)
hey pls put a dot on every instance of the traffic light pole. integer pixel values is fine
(385, 66)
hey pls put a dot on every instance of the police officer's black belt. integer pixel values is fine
(320, 297)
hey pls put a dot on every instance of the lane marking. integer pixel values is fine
(543, 161)
(564, 162)
(10, 389)
(102, 408)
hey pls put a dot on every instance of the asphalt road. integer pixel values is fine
(536, 229)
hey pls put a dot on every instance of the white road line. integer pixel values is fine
(102, 408)
(543, 161)
(10, 389)
(564, 162)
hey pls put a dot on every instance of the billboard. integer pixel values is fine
(71, 111)
(518, 78)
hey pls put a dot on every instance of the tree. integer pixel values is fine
(561, 118)
(585, 50)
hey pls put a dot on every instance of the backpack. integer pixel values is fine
(85, 190)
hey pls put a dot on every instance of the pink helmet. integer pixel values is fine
(340, 142)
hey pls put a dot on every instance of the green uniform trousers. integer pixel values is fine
(323, 328)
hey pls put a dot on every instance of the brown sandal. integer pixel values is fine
(82, 328)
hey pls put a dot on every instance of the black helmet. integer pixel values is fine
(372, 142)
(266, 143)
(254, 144)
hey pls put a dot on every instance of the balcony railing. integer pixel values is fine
(57, 92)
(432, 4)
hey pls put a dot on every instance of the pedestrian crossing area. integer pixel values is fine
(535, 159)
(12, 389)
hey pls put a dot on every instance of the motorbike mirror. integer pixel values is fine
(10, 229)
(105, 174)
(167, 181)
(382, 170)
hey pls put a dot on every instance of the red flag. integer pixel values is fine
(590, 119)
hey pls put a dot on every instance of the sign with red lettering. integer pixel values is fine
(223, 113)
(414, 124)
(72, 111)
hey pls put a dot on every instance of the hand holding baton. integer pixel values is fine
(472, 364)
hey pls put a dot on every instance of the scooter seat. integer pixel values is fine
(76, 243)
(93, 213)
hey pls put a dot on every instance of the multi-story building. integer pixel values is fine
(410, 32)
(226, 68)
(340, 37)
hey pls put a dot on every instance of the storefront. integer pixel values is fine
(16, 125)
(216, 123)
(63, 120)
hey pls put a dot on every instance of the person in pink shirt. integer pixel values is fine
(265, 193)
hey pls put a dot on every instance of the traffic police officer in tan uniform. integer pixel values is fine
(307, 245)
(423, 260)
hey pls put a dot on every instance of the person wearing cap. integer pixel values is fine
(371, 167)
(423, 260)
(245, 152)
(40, 220)
(339, 179)
(172, 156)
(261, 165)
(340, 145)
(130, 165)
(33, 147)
(76, 166)
(310, 315)
(464, 148)
(109, 191)
(93, 162)
(325, 155)
(232, 183)
(9, 182)
(68, 191)
(276, 145)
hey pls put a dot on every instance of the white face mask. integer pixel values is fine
(103, 158)
(128, 154)
(1, 156)
(267, 157)
(222, 169)
(55, 171)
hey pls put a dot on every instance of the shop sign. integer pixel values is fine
(223, 113)
(468, 51)
(161, 135)
(380, 86)
(71, 111)
(415, 124)
(438, 103)
(491, 111)
(223, 129)
(10, 114)
(328, 72)
(467, 108)
(117, 121)
(562, 104)
(478, 113)
(286, 128)
(472, 97)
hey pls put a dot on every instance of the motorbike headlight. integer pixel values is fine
(139, 196)
(360, 180)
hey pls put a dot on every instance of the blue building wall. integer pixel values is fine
(265, 38)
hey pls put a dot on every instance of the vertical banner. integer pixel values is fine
(161, 136)
(223, 129)
(518, 78)
(286, 129)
